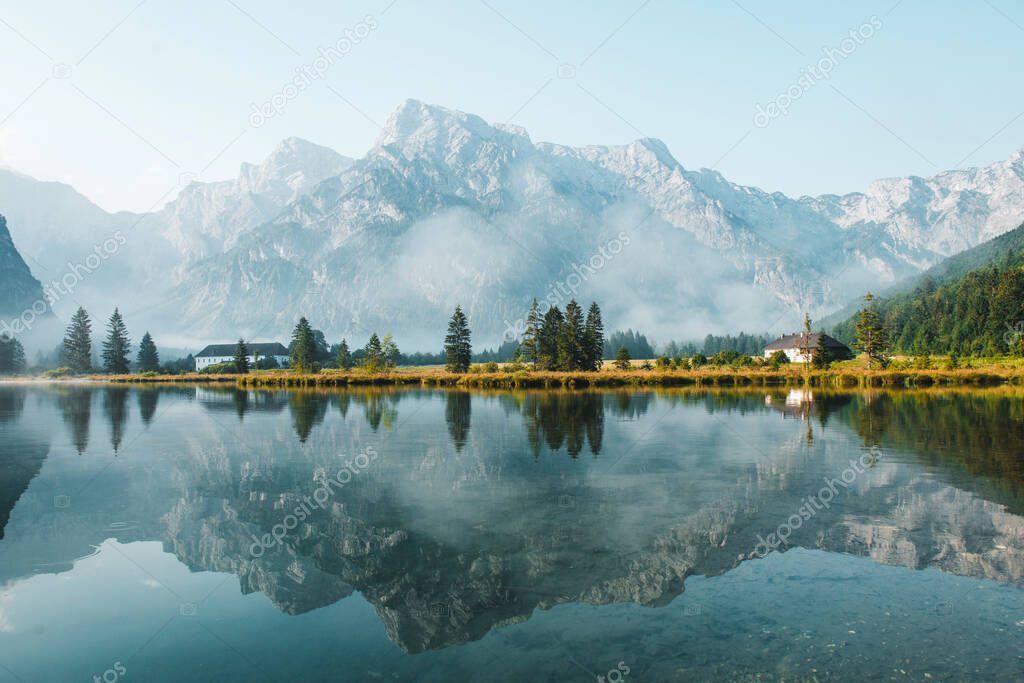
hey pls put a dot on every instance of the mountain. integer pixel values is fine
(446, 208)
(971, 303)
(20, 293)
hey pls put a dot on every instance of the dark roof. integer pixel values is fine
(796, 341)
(268, 349)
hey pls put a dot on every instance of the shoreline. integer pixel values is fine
(830, 379)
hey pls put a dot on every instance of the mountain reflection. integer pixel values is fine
(446, 549)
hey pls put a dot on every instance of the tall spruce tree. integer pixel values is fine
(529, 344)
(241, 359)
(458, 349)
(116, 346)
(148, 359)
(303, 347)
(547, 338)
(870, 333)
(593, 332)
(373, 355)
(572, 350)
(343, 361)
(823, 355)
(78, 342)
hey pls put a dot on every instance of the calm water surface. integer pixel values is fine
(205, 534)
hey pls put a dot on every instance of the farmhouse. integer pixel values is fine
(222, 353)
(797, 344)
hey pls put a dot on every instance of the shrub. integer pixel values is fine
(58, 373)
(226, 368)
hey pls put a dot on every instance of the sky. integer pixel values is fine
(127, 101)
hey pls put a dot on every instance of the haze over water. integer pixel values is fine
(209, 534)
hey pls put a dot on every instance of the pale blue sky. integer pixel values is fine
(159, 89)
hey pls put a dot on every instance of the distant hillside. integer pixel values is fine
(19, 291)
(970, 303)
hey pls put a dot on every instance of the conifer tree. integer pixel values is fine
(529, 344)
(373, 354)
(148, 359)
(458, 350)
(344, 358)
(12, 355)
(78, 342)
(116, 346)
(303, 347)
(241, 359)
(571, 342)
(823, 356)
(547, 339)
(870, 334)
(622, 359)
(594, 336)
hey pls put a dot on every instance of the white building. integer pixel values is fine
(796, 345)
(224, 353)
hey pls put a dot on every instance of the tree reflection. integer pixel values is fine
(379, 408)
(241, 402)
(458, 406)
(12, 402)
(308, 410)
(567, 419)
(75, 405)
(115, 407)
(148, 399)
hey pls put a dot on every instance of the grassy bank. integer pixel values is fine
(842, 376)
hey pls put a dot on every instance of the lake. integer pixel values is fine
(209, 534)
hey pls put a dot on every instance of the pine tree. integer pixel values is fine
(530, 344)
(547, 339)
(78, 343)
(622, 359)
(594, 335)
(116, 346)
(823, 356)
(12, 355)
(458, 350)
(870, 334)
(148, 359)
(241, 359)
(373, 355)
(389, 352)
(571, 347)
(303, 347)
(344, 359)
